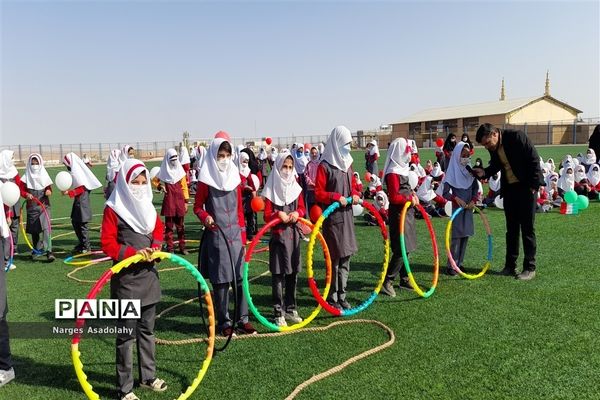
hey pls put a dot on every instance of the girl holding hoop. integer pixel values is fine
(39, 185)
(461, 188)
(399, 192)
(335, 180)
(130, 226)
(284, 199)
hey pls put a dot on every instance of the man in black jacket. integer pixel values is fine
(512, 152)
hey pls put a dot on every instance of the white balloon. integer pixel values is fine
(499, 202)
(154, 171)
(448, 208)
(10, 193)
(357, 210)
(63, 181)
(413, 179)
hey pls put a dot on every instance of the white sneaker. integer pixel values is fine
(293, 317)
(280, 321)
(12, 266)
(130, 396)
(6, 376)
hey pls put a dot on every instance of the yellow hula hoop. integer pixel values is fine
(80, 323)
(488, 231)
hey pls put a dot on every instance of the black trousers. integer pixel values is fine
(519, 210)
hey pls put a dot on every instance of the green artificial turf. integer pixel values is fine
(491, 338)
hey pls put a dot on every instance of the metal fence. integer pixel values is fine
(98, 152)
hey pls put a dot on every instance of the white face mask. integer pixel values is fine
(223, 163)
(173, 163)
(285, 174)
(464, 161)
(345, 150)
(36, 168)
(244, 165)
(139, 192)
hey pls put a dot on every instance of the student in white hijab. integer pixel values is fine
(130, 226)
(550, 165)
(566, 182)
(461, 188)
(174, 206)
(590, 159)
(127, 152)
(219, 207)
(594, 179)
(7, 373)
(335, 183)
(113, 164)
(371, 157)
(284, 199)
(39, 186)
(84, 181)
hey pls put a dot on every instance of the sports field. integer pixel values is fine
(491, 338)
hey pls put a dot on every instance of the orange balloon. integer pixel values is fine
(257, 204)
(315, 213)
(367, 176)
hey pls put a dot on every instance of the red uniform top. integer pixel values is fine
(202, 214)
(271, 212)
(325, 197)
(108, 239)
(392, 182)
(543, 195)
(357, 187)
(77, 191)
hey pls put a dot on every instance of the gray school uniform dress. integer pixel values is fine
(37, 222)
(284, 262)
(338, 231)
(396, 265)
(462, 225)
(14, 228)
(5, 356)
(81, 214)
(110, 187)
(215, 262)
(138, 281)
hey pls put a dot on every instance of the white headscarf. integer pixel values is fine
(262, 154)
(37, 180)
(321, 148)
(550, 165)
(212, 176)
(357, 178)
(594, 174)
(168, 173)
(339, 137)
(590, 157)
(398, 158)
(384, 197)
(244, 170)
(193, 152)
(425, 191)
(138, 213)
(113, 164)
(281, 192)
(184, 155)
(495, 183)
(200, 155)
(580, 173)
(566, 182)
(300, 161)
(7, 165)
(82, 176)
(456, 174)
(124, 156)
(273, 155)
(436, 170)
(374, 181)
(374, 149)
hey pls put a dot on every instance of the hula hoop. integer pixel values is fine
(246, 283)
(69, 260)
(80, 323)
(488, 231)
(36, 251)
(436, 258)
(386, 259)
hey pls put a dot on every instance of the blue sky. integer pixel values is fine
(143, 71)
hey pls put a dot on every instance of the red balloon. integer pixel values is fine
(439, 142)
(269, 140)
(306, 146)
(257, 204)
(315, 213)
(223, 135)
(381, 174)
(367, 176)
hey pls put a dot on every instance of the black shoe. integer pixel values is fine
(335, 305)
(344, 304)
(50, 256)
(526, 275)
(451, 271)
(405, 284)
(506, 271)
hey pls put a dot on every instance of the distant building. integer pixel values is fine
(550, 120)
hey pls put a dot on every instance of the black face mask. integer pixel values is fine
(69, 169)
